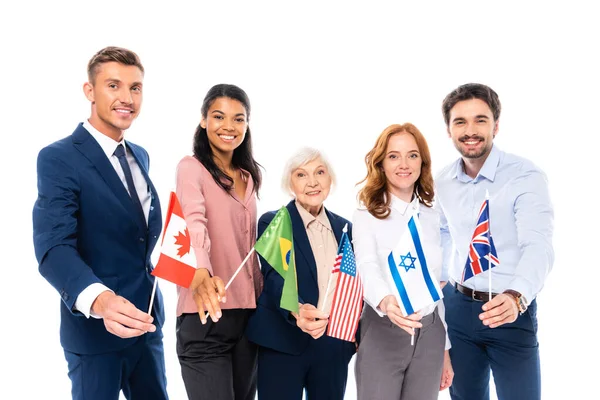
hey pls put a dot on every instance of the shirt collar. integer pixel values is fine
(401, 206)
(308, 218)
(107, 144)
(488, 170)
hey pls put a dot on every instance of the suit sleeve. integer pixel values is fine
(273, 282)
(55, 227)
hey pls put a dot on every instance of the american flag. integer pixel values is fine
(481, 248)
(348, 296)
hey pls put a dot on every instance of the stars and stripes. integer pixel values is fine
(348, 297)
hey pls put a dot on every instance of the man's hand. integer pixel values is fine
(389, 305)
(501, 310)
(208, 292)
(311, 320)
(121, 317)
(447, 372)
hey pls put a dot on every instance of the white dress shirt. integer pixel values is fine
(374, 239)
(521, 222)
(88, 295)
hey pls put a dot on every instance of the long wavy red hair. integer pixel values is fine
(374, 194)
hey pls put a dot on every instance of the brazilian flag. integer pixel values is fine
(275, 245)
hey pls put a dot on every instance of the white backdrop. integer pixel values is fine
(331, 76)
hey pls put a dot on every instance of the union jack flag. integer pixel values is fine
(348, 296)
(481, 248)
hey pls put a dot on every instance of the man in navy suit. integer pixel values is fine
(95, 222)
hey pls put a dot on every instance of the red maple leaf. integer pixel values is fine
(183, 239)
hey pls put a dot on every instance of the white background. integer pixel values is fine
(330, 76)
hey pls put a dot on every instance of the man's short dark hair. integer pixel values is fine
(471, 91)
(112, 54)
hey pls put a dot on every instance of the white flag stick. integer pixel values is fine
(412, 338)
(239, 268)
(172, 192)
(487, 198)
(490, 276)
(152, 295)
(237, 272)
(345, 230)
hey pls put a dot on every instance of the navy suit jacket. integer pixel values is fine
(85, 230)
(270, 325)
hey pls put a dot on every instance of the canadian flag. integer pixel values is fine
(177, 261)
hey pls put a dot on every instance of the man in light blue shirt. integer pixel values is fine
(497, 334)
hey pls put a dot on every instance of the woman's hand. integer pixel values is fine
(447, 372)
(390, 307)
(311, 320)
(208, 292)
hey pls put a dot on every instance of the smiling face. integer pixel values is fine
(472, 128)
(226, 123)
(311, 184)
(116, 96)
(402, 165)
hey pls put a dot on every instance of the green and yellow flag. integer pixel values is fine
(276, 246)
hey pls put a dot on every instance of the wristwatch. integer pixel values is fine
(519, 299)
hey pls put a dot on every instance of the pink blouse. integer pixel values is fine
(222, 230)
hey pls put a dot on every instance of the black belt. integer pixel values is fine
(474, 294)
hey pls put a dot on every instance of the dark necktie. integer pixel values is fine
(120, 153)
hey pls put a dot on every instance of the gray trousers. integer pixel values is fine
(389, 368)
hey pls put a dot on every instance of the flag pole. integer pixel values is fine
(345, 230)
(239, 268)
(152, 295)
(237, 271)
(487, 200)
(416, 209)
(171, 195)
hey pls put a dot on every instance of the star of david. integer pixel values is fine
(407, 259)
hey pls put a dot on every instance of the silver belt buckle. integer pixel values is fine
(473, 295)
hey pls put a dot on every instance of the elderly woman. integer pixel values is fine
(294, 354)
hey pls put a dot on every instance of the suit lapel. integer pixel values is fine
(154, 216)
(336, 226)
(89, 148)
(301, 243)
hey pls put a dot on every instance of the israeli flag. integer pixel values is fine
(416, 285)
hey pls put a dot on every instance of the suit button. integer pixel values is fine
(141, 240)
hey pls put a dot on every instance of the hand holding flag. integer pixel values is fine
(177, 264)
(416, 286)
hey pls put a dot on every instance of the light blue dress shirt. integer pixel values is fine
(521, 222)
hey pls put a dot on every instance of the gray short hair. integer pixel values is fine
(298, 159)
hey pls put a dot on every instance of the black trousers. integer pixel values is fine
(217, 361)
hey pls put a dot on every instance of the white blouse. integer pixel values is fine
(374, 239)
